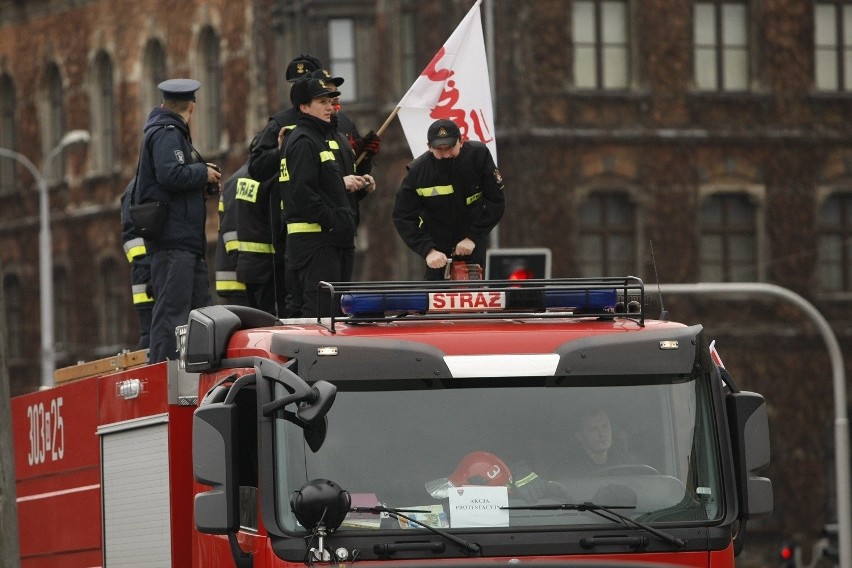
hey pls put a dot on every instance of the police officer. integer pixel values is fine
(228, 286)
(450, 200)
(319, 218)
(140, 269)
(171, 171)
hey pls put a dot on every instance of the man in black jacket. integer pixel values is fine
(320, 222)
(170, 171)
(450, 200)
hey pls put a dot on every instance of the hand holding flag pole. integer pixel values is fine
(454, 85)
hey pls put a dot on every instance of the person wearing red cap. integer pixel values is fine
(450, 200)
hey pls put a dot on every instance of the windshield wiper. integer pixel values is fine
(470, 548)
(607, 512)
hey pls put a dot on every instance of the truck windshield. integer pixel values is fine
(457, 451)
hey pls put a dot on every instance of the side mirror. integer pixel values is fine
(214, 435)
(749, 426)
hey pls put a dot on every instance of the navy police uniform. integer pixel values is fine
(140, 269)
(170, 171)
(442, 202)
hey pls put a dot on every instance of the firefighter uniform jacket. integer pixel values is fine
(316, 208)
(441, 202)
(258, 209)
(169, 170)
(227, 247)
(137, 255)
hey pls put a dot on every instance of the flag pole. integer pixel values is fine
(379, 133)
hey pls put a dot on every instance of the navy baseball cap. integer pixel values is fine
(307, 89)
(179, 89)
(443, 132)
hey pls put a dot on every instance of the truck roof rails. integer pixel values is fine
(371, 302)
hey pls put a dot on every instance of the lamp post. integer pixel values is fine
(45, 265)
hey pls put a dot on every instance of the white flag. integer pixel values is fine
(455, 86)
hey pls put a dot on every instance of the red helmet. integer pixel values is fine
(481, 468)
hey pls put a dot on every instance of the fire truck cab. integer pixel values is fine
(540, 420)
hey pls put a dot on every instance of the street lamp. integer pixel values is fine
(45, 265)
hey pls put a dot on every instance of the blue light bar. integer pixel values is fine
(371, 304)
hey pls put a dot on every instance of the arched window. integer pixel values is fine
(113, 304)
(12, 296)
(835, 243)
(206, 123)
(103, 114)
(7, 133)
(153, 73)
(52, 121)
(728, 248)
(607, 241)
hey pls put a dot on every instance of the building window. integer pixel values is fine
(12, 296)
(721, 46)
(207, 130)
(835, 244)
(113, 302)
(103, 115)
(53, 121)
(833, 46)
(153, 73)
(728, 239)
(600, 41)
(341, 49)
(61, 305)
(7, 134)
(607, 241)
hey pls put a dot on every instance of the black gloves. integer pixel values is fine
(530, 487)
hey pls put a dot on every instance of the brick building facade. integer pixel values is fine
(714, 133)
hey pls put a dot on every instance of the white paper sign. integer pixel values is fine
(478, 506)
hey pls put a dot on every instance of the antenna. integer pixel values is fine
(664, 315)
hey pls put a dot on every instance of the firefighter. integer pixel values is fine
(170, 171)
(450, 200)
(258, 210)
(319, 217)
(265, 158)
(227, 246)
(140, 269)
(348, 146)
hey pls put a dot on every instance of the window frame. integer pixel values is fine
(844, 231)
(726, 233)
(8, 133)
(599, 46)
(104, 135)
(721, 49)
(607, 231)
(842, 50)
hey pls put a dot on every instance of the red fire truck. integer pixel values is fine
(419, 423)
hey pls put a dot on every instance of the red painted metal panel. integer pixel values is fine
(153, 397)
(57, 466)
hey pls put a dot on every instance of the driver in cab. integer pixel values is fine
(591, 451)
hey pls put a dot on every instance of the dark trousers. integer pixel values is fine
(329, 264)
(144, 313)
(179, 279)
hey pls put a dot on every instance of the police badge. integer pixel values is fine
(179, 155)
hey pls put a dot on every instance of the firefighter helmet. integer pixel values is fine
(481, 468)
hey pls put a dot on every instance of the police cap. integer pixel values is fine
(443, 132)
(301, 66)
(179, 89)
(307, 89)
(326, 76)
